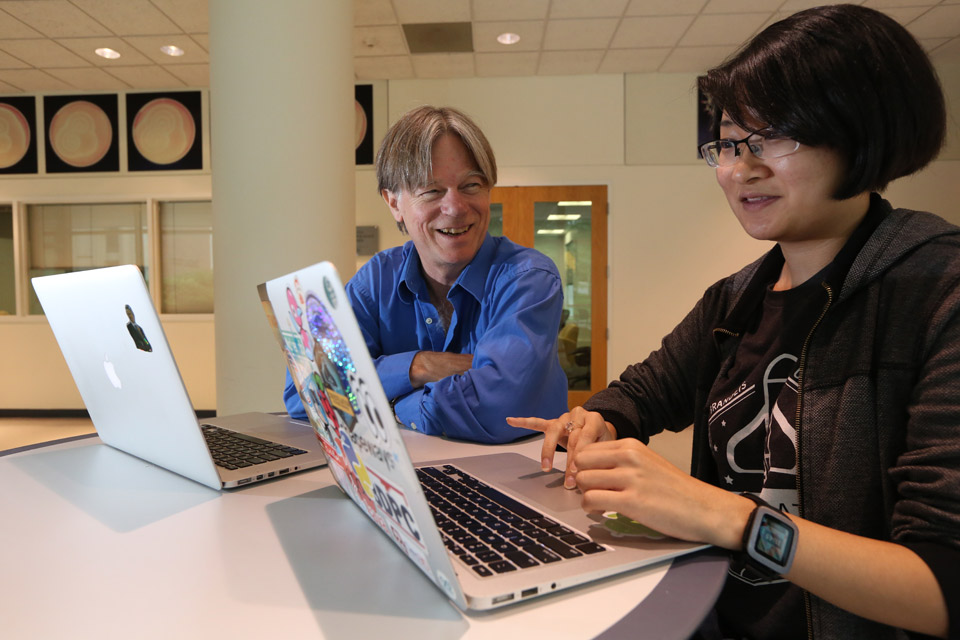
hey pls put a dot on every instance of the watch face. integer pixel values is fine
(774, 539)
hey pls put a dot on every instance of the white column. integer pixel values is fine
(282, 122)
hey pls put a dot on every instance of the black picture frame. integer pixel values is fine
(363, 94)
(192, 159)
(110, 161)
(26, 106)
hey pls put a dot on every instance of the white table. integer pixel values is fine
(97, 543)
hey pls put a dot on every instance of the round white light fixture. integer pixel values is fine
(104, 52)
(172, 50)
(508, 38)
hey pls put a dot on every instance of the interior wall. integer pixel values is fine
(671, 233)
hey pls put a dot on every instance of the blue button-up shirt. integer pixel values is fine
(506, 312)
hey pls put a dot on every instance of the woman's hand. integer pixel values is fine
(573, 430)
(627, 477)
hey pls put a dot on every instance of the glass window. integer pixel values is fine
(563, 232)
(186, 257)
(8, 296)
(496, 219)
(75, 237)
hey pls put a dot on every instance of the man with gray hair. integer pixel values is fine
(462, 326)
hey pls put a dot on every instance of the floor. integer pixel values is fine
(19, 432)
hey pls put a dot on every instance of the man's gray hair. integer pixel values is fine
(405, 158)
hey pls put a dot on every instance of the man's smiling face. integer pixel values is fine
(448, 217)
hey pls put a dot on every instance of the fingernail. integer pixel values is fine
(569, 482)
(545, 464)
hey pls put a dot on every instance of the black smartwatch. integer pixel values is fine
(769, 540)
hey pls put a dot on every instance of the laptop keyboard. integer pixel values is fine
(491, 532)
(232, 450)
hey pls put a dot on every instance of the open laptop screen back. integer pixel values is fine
(116, 350)
(332, 369)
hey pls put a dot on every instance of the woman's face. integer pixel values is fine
(788, 199)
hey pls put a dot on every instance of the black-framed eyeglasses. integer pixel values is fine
(723, 153)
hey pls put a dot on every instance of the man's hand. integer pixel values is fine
(431, 366)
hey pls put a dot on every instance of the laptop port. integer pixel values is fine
(283, 471)
(526, 593)
(507, 597)
(271, 474)
(244, 481)
(260, 477)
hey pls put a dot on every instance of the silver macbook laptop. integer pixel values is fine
(115, 347)
(488, 530)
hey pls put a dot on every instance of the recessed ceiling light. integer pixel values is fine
(104, 52)
(172, 50)
(508, 38)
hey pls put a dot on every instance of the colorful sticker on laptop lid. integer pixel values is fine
(345, 417)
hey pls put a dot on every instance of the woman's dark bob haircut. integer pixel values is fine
(844, 77)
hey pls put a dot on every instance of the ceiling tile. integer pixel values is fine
(192, 16)
(84, 47)
(694, 59)
(89, 79)
(939, 22)
(510, 9)
(55, 18)
(664, 7)
(905, 15)
(579, 34)
(485, 36)
(792, 6)
(653, 31)
(443, 65)
(192, 75)
(507, 64)
(592, 9)
(148, 77)
(933, 43)
(128, 17)
(379, 41)
(8, 61)
(743, 6)
(949, 52)
(373, 12)
(633, 60)
(561, 63)
(32, 80)
(150, 47)
(885, 4)
(426, 11)
(43, 53)
(383, 68)
(6, 88)
(10, 27)
(202, 39)
(723, 29)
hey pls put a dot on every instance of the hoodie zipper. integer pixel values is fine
(808, 609)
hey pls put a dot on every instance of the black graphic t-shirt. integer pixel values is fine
(751, 425)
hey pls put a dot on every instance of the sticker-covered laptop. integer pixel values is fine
(116, 350)
(488, 530)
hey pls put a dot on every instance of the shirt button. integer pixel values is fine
(413, 425)
(429, 320)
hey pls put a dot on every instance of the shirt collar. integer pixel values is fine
(472, 279)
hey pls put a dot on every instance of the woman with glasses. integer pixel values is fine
(823, 380)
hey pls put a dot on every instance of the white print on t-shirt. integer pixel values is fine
(780, 423)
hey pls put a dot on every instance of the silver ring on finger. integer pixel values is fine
(570, 426)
